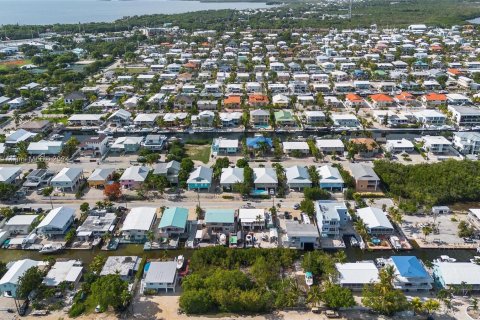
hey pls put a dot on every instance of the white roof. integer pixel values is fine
(374, 217)
(231, 175)
(57, 218)
(139, 218)
(85, 117)
(100, 174)
(357, 273)
(22, 220)
(250, 215)
(161, 272)
(135, 173)
(61, 271)
(454, 273)
(146, 117)
(7, 172)
(329, 174)
(17, 270)
(295, 145)
(429, 140)
(67, 175)
(19, 135)
(265, 175)
(43, 145)
(227, 143)
(403, 143)
(330, 143)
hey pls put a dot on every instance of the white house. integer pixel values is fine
(230, 177)
(9, 174)
(161, 276)
(301, 236)
(410, 274)
(9, 281)
(355, 276)
(436, 144)
(399, 146)
(376, 221)
(20, 224)
(265, 179)
(67, 179)
(298, 177)
(64, 271)
(251, 219)
(56, 222)
(467, 142)
(45, 147)
(328, 146)
(138, 222)
(330, 178)
(300, 147)
(331, 217)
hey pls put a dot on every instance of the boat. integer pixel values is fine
(309, 278)
(51, 248)
(354, 242)
(445, 258)
(180, 262)
(395, 242)
(380, 262)
(476, 260)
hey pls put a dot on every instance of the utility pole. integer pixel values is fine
(350, 10)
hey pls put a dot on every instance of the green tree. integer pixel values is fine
(30, 280)
(314, 295)
(196, 301)
(307, 206)
(336, 296)
(111, 291)
(70, 147)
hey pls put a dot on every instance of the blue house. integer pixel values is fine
(255, 142)
(330, 178)
(200, 178)
(173, 221)
(410, 274)
(220, 220)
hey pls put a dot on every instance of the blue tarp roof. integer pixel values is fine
(409, 267)
(255, 141)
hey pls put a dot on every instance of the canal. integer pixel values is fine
(353, 254)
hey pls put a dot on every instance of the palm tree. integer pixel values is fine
(427, 230)
(417, 305)
(150, 236)
(314, 295)
(361, 228)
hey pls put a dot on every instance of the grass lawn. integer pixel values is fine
(131, 70)
(6, 65)
(62, 120)
(199, 153)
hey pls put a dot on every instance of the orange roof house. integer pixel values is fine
(434, 99)
(404, 97)
(381, 100)
(257, 100)
(454, 72)
(232, 102)
(353, 99)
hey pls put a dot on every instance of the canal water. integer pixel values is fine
(353, 254)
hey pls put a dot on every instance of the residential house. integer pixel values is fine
(257, 100)
(301, 236)
(345, 120)
(465, 116)
(355, 276)
(473, 218)
(230, 177)
(314, 118)
(410, 274)
(296, 148)
(67, 179)
(367, 147)
(298, 177)
(429, 117)
(145, 120)
(38, 177)
(138, 223)
(134, 176)
(436, 144)
(284, 118)
(45, 147)
(169, 170)
(330, 146)
(432, 100)
(203, 119)
(224, 146)
(232, 102)
(400, 146)
(100, 177)
(457, 275)
(9, 281)
(220, 221)
(20, 224)
(366, 180)
(467, 142)
(230, 119)
(330, 178)
(124, 266)
(68, 272)
(200, 178)
(265, 179)
(97, 224)
(173, 222)
(75, 96)
(160, 276)
(260, 118)
(331, 216)
(10, 175)
(155, 142)
(120, 118)
(251, 219)
(376, 221)
(95, 146)
(78, 120)
(56, 222)
(20, 135)
(126, 144)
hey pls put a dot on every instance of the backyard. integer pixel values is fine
(198, 152)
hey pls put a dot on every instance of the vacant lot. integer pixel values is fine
(13, 63)
(198, 152)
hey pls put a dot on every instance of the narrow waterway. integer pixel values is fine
(353, 254)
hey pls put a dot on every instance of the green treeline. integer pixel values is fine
(430, 184)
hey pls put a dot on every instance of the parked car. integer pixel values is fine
(331, 314)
